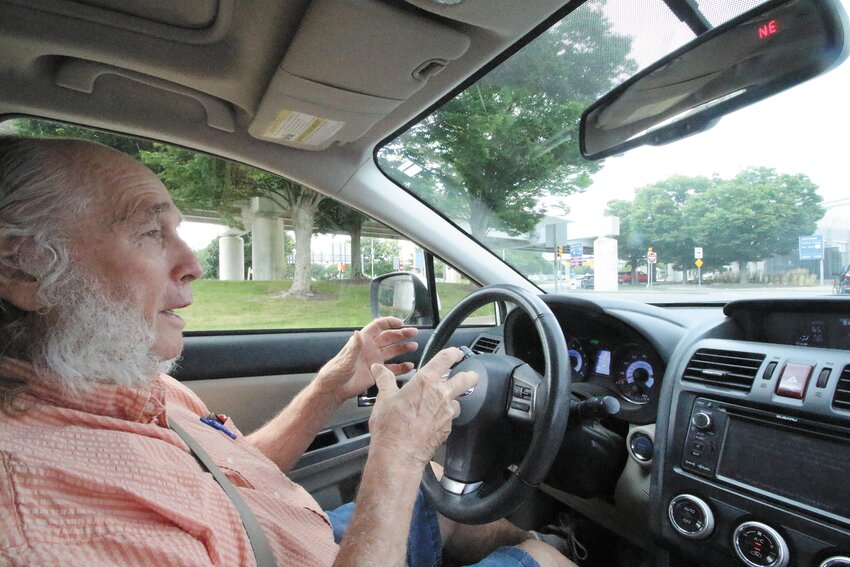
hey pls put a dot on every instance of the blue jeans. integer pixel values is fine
(424, 545)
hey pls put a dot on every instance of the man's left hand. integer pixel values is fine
(348, 373)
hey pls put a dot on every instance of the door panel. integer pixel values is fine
(250, 377)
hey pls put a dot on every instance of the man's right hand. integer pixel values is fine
(412, 422)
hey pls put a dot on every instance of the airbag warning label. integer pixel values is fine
(291, 126)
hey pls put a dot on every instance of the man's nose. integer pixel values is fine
(187, 268)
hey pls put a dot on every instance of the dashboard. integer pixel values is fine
(747, 417)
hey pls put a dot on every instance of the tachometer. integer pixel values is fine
(635, 374)
(579, 361)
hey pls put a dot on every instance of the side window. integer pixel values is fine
(276, 254)
(452, 286)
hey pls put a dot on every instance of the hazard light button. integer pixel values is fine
(795, 378)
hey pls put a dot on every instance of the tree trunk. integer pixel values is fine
(303, 216)
(479, 219)
(356, 253)
(742, 271)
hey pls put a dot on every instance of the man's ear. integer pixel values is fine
(17, 286)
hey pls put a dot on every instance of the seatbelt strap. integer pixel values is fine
(259, 543)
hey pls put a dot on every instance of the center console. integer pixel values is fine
(756, 459)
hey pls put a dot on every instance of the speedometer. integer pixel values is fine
(578, 360)
(635, 374)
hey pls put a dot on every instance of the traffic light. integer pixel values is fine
(560, 251)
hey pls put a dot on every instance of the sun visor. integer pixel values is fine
(351, 63)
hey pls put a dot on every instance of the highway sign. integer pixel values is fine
(811, 247)
(652, 257)
(698, 252)
(699, 262)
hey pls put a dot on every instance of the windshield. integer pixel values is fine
(756, 205)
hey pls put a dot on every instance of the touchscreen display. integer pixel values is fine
(814, 466)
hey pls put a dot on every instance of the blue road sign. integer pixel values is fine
(811, 247)
(576, 251)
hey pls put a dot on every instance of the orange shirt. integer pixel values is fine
(102, 481)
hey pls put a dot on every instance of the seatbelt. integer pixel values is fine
(259, 543)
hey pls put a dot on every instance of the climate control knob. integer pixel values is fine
(691, 516)
(702, 420)
(759, 545)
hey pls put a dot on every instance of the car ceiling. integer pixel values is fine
(215, 74)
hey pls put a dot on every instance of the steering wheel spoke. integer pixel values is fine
(527, 391)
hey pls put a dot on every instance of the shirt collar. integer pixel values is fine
(144, 405)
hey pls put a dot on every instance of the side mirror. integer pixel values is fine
(402, 295)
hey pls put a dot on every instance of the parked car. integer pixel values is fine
(626, 277)
(450, 127)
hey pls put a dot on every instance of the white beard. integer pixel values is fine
(91, 337)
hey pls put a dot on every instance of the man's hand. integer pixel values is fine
(412, 422)
(348, 373)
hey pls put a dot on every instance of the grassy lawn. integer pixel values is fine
(260, 305)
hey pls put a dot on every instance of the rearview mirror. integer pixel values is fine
(769, 49)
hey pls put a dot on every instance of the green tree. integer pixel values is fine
(491, 154)
(334, 216)
(656, 218)
(755, 215)
(44, 129)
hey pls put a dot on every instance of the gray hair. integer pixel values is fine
(40, 192)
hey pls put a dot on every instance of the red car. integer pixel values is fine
(626, 277)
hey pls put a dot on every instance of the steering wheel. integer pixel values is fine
(509, 393)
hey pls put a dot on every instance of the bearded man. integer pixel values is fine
(101, 451)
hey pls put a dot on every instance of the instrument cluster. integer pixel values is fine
(606, 356)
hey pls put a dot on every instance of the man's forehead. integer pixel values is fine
(140, 208)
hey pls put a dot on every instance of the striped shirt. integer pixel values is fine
(100, 480)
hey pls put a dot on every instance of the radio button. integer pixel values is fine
(702, 420)
(759, 545)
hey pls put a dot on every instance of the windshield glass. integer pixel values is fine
(756, 205)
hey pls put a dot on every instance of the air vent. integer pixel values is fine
(724, 368)
(841, 400)
(486, 345)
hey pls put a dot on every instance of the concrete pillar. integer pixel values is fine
(231, 258)
(267, 255)
(605, 262)
(451, 275)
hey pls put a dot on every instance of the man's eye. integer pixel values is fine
(157, 233)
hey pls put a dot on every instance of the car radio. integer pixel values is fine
(734, 445)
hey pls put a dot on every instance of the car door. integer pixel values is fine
(251, 376)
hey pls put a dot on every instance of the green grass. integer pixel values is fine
(261, 305)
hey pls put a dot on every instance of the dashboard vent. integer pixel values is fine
(841, 399)
(724, 368)
(486, 345)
